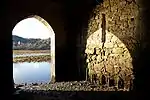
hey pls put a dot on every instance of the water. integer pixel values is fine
(26, 72)
(32, 54)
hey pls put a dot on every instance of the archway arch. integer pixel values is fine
(52, 43)
(119, 22)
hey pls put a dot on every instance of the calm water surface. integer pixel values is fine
(25, 72)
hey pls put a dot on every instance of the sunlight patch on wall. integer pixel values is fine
(110, 59)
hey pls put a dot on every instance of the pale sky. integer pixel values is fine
(31, 28)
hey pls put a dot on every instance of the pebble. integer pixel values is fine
(53, 90)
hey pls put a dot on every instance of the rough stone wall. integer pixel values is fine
(121, 20)
(112, 58)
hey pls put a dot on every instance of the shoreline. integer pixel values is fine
(39, 58)
(30, 51)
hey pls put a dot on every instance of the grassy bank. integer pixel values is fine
(30, 51)
(40, 58)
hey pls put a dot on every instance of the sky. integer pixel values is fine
(31, 28)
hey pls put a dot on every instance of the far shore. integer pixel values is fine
(30, 51)
(39, 58)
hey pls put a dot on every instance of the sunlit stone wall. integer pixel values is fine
(114, 60)
(121, 20)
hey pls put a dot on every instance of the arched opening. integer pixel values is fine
(33, 51)
(110, 42)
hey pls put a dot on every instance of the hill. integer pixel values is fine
(20, 43)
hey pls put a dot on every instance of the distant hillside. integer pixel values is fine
(20, 43)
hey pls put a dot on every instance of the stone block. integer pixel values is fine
(109, 45)
(89, 51)
(96, 17)
(122, 3)
(108, 52)
(121, 45)
(118, 50)
(114, 38)
(98, 51)
(94, 57)
(87, 60)
(98, 58)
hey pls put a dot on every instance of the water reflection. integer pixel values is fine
(31, 72)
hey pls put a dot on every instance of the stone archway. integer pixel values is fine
(52, 44)
(121, 18)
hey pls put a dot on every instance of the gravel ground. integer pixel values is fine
(69, 86)
(59, 90)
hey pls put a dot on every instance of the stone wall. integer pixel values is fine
(112, 59)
